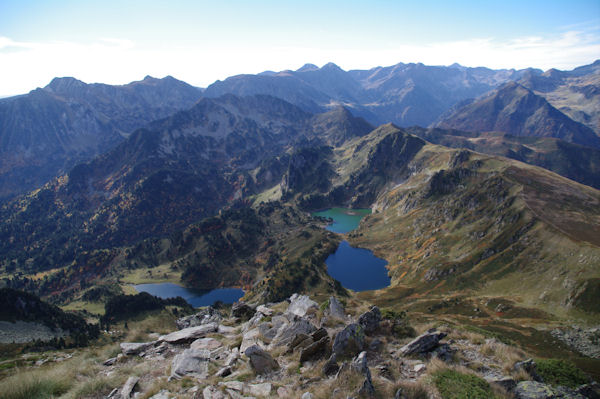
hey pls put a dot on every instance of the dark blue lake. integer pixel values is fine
(357, 269)
(195, 298)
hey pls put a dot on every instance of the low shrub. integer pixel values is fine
(455, 385)
(560, 372)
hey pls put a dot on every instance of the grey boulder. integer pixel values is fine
(423, 343)
(260, 360)
(191, 362)
(135, 348)
(349, 341)
(533, 390)
(300, 305)
(370, 320)
(189, 334)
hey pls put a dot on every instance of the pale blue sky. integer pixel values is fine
(199, 41)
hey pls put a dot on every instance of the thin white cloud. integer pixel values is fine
(26, 65)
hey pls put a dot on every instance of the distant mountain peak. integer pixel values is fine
(307, 67)
(330, 66)
(60, 84)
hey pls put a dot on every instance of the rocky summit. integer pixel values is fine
(209, 360)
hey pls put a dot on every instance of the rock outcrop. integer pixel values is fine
(282, 353)
(350, 341)
(189, 334)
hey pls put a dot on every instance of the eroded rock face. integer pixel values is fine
(300, 305)
(423, 343)
(260, 360)
(204, 316)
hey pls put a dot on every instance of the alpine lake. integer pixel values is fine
(355, 268)
(195, 298)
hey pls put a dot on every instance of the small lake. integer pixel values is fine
(344, 220)
(196, 298)
(357, 269)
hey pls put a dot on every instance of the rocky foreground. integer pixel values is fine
(296, 349)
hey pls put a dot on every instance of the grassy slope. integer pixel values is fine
(507, 228)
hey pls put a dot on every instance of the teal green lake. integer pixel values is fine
(344, 220)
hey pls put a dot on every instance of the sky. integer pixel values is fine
(117, 42)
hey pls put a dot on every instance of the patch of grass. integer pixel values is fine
(35, 385)
(414, 390)
(455, 385)
(489, 334)
(560, 372)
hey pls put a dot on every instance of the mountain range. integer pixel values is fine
(51, 129)
(516, 110)
(405, 94)
(486, 210)
(215, 185)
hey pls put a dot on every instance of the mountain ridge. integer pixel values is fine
(51, 129)
(516, 110)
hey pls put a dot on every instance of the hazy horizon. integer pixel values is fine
(198, 42)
